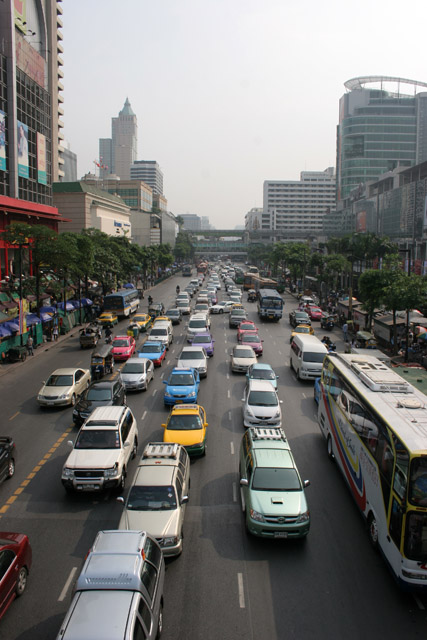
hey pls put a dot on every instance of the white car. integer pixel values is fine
(198, 323)
(184, 307)
(261, 405)
(195, 357)
(137, 373)
(222, 307)
(63, 387)
(100, 455)
(242, 358)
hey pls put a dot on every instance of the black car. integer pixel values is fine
(7, 457)
(174, 315)
(100, 394)
(298, 317)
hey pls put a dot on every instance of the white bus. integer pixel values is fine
(375, 426)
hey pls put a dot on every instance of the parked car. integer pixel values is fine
(7, 457)
(63, 387)
(123, 347)
(107, 605)
(102, 450)
(182, 386)
(137, 374)
(159, 494)
(195, 357)
(153, 350)
(15, 565)
(271, 490)
(104, 393)
(261, 405)
(242, 358)
(187, 426)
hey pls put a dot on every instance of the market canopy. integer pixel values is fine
(4, 331)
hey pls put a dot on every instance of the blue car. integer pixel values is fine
(154, 351)
(182, 386)
(263, 371)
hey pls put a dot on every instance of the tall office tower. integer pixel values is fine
(148, 171)
(30, 99)
(298, 206)
(116, 154)
(380, 128)
(192, 222)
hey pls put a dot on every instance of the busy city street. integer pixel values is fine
(226, 583)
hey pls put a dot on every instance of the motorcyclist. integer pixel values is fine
(150, 300)
(327, 341)
(178, 289)
(108, 334)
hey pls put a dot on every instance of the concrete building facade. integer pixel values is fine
(192, 222)
(298, 206)
(150, 172)
(253, 219)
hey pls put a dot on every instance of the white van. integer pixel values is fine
(306, 356)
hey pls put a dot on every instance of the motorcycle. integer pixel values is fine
(331, 346)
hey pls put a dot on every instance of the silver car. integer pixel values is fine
(137, 374)
(242, 357)
(195, 357)
(63, 387)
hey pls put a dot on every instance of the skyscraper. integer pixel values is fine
(149, 172)
(380, 128)
(119, 152)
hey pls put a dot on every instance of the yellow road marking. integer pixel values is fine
(14, 415)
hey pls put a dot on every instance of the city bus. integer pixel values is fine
(375, 426)
(255, 281)
(270, 304)
(123, 302)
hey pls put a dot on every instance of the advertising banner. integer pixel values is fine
(2, 141)
(23, 165)
(41, 159)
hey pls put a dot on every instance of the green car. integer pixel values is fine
(272, 493)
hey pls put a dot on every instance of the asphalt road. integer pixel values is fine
(225, 584)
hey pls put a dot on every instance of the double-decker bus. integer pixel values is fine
(123, 302)
(255, 281)
(375, 425)
(270, 304)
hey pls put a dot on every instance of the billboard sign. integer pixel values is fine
(41, 159)
(2, 141)
(23, 164)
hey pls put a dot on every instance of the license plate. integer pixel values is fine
(87, 487)
(178, 401)
(280, 534)
(50, 403)
(271, 317)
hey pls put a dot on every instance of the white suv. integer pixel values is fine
(102, 450)
(261, 405)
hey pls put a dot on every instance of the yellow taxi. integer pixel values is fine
(107, 318)
(302, 328)
(187, 425)
(161, 318)
(237, 305)
(143, 320)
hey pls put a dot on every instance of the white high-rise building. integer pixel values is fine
(299, 206)
(149, 172)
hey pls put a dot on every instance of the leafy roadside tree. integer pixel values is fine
(371, 290)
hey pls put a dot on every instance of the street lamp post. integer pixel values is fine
(408, 252)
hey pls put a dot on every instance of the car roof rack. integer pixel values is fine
(161, 450)
(259, 433)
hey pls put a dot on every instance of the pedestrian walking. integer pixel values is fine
(55, 333)
(30, 346)
(345, 331)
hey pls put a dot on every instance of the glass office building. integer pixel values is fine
(380, 128)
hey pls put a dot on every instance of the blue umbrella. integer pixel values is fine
(12, 326)
(129, 285)
(46, 317)
(47, 309)
(31, 319)
(4, 331)
(68, 306)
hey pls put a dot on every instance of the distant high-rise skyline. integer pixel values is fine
(116, 154)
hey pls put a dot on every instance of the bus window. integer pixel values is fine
(416, 536)
(418, 483)
(396, 522)
(400, 481)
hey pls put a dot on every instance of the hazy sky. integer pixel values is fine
(228, 93)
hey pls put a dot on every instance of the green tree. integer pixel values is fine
(372, 283)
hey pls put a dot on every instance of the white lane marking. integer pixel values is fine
(234, 492)
(168, 361)
(303, 395)
(228, 376)
(226, 350)
(162, 374)
(232, 448)
(229, 394)
(154, 392)
(67, 584)
(419, 603)
(143, 415)
(229, 415)
(280, 353)
(241, 592)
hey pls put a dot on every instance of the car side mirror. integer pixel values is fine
(184, 499)
(243, 399)
(206, 424)
(164, 426)
(126, 444)
(281, 401)
(277, 377)
(306, 483)
(70, 444)
(120, 499)
(244, 482)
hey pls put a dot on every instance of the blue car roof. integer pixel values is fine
(182, 370)
(260, 365)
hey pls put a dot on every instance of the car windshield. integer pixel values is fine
(182, 303)
(98, 394)
(192, 355)
(313, 357)
(59, 381)
(133, 367)
(184, 422)
(247, 326)
(98, 439)
(263, 374)
(172, 312)
(302, 330)
(154, 348)
(266, 479)
(197, 324)
(201, 339)
(181, 379)
(238, 312)
(250, 337)
(201, 307)
(262, 399)
(121, 343)
(151, 499)
(159, 332)
(243, 353)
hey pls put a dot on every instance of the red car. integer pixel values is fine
(244, 326)
(15, 564)
(314, 312)
(253, 340)
(123, 347)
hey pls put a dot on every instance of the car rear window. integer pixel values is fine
(313, 357)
